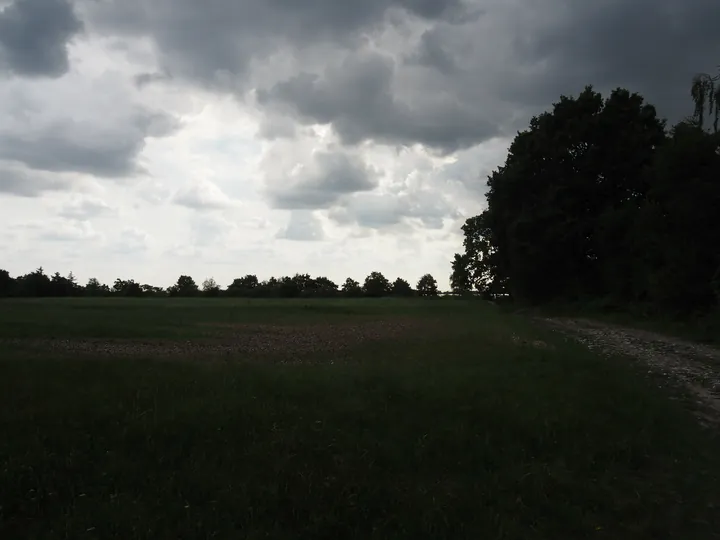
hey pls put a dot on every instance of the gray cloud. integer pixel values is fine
(380, 211)
(200, 40)
(34, 36)
(556, 47)
(320, 183)
(357, 98)
(446, 74)
(81, 146)
(303, 226)
(20, 181)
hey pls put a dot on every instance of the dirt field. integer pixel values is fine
(285, 343)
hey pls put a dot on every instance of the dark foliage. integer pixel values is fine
(37, 284)
(597, 200)
(427, 286)
(402, 288)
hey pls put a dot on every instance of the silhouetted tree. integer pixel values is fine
(568, 183)
(351, 288)
(705, 92)
(185, 286)
(400, 287)
(94, 288)
(7, 283)
(244, 286)
(376, 285)
(427, 286)
(210, 287)
(35, 283)
(129, 287)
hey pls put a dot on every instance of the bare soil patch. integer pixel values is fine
(691, 366)
(287, 343)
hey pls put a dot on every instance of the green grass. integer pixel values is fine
(459, 434)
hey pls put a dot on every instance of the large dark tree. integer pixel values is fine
(573, 174)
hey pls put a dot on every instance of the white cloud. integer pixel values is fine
(203, 195)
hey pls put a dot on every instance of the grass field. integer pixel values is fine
(161, 418)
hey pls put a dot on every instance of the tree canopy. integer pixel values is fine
(597, 199)
(37, 283)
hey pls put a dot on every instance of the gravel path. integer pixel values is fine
(691, 366)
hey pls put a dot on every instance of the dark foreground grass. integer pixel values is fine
(461, 435)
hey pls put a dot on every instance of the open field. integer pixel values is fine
(163, 418)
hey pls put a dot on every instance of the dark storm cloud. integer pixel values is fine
(69, 146)
(357, 98)
(204, 40)
(34, 36)
(450, 75)
(329, 176)
(557, 47)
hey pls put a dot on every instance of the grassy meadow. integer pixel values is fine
(287, 419)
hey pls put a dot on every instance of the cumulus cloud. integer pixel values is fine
(16, 179)
(34, 37)
(357, 98)
(384, 210)
(203, 195)
(89, 126)
(84, 207)
(211, 44)
(319, 183)
(303, 226)
(131, 240)
(59, 230)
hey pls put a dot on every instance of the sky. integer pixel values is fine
(148, 139)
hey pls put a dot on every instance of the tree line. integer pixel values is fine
(599, 200)
(39, 284)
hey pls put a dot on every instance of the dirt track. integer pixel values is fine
(690, 366)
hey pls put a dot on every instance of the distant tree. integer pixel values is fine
(7, 283)
(35, 283)
(705, 92)
(320, 287)
(427, 286)
(63, 286)
(210, 287)
(269, 288)
(351, 288)
(128, 287)
(94, 288)
(185, 286)
(376, 285)
(401, 288)
(244, 286)
(151, 290)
